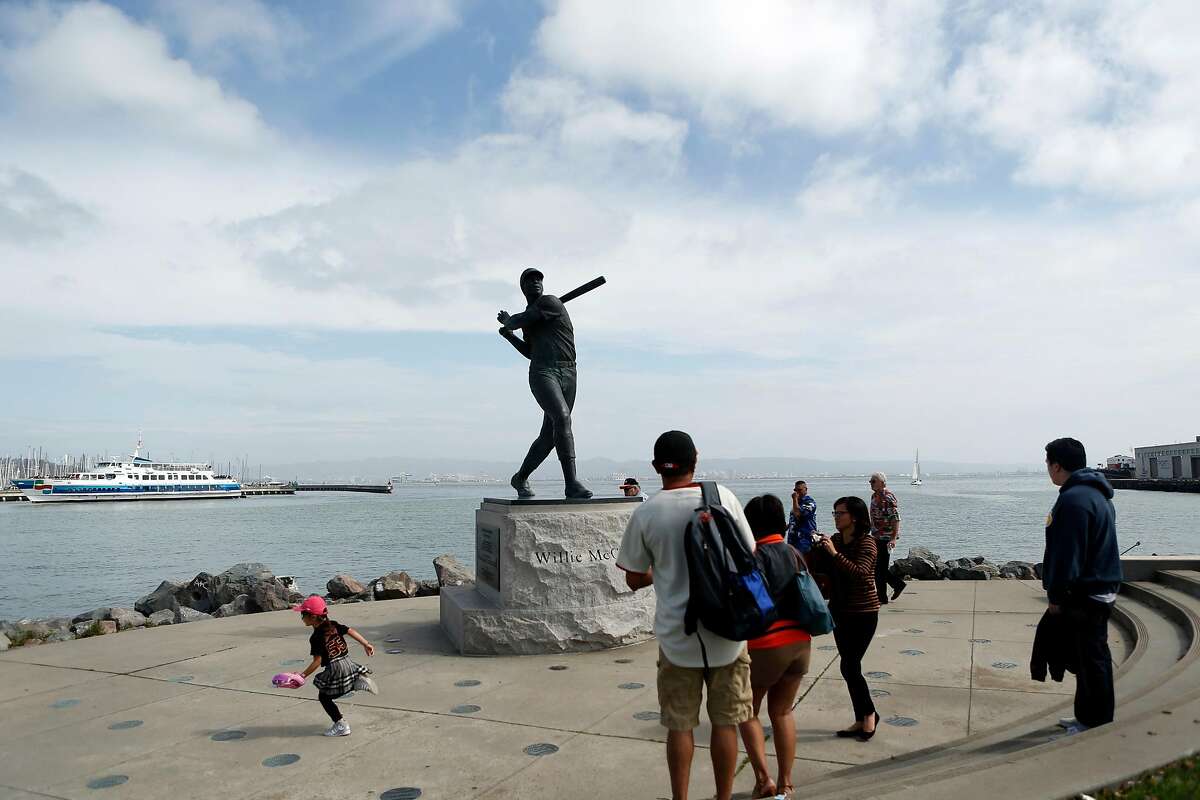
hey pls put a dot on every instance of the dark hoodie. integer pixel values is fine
(1081, 540)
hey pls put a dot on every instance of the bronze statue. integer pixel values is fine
(549, 344)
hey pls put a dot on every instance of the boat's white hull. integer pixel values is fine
(41, 496)
(915, 483)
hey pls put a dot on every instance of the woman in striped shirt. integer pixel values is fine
(849, 558)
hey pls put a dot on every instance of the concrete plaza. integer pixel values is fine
(188, 710)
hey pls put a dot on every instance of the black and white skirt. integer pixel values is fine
(339, 677)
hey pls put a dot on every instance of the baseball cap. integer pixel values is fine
(313, 604)
(630, 482)
(674, 449)
(532, 271)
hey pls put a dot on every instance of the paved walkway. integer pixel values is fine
(187, 710)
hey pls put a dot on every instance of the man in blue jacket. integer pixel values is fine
(1081, 572)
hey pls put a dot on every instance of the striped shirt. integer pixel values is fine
(854, 590)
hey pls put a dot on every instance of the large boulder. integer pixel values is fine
(925, 553)
(916, 567)
(200, 593)
(242, 579)
(428, 589)
(1037, 570)
(95, 627)
(164, 597)
(40, 628)
(450, 572)
(163, 617)
(207, 592)
(88, 616)
(235, 607)
(60, 635)
(342, 587)
(990, 568)
(394, 586)
(1022, 570)
(191, 615)
(972, 573)
(273, 596)
(126, 618)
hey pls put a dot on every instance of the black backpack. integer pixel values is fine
(727, 592)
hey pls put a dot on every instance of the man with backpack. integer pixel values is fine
(655, 550)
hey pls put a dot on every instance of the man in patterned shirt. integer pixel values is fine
(885, 527)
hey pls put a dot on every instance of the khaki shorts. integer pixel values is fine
(769, 664)
(680, 690)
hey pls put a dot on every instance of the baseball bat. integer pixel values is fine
(587, 287)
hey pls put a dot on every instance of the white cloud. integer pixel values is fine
(223, 32)
(586, 125)
(348, 41)
(884, 322)
(1103, 97)
(821, 66)
(90, 62)
(846, 188)
(30, 209)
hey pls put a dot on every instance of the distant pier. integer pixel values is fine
(257, 491)
(345, 487)
(1157, 484)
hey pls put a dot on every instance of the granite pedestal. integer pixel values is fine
(547, 581)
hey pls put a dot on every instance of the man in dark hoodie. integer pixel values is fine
(1081, 572)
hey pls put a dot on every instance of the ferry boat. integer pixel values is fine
(140, 478)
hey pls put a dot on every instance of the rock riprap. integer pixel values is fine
(450, 572)
(341, 587)
(923, 564)
(395, 586)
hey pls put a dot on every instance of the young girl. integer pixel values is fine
(328, 648)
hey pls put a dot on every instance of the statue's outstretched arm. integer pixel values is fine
(516, 321)
(520, 344)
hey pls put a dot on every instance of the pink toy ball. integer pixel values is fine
(288, 680)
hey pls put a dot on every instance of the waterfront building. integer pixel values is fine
(1121, 462)
(1169, 460)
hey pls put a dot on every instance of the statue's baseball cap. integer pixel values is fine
(674, 449)
(532, 272)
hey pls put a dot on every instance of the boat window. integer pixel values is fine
(110, 476)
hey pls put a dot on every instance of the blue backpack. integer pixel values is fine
(727, 592)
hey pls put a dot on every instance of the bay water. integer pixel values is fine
(62, 559)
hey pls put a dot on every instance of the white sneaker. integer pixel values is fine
(365, 683)
(1066, 722)
(339, 728)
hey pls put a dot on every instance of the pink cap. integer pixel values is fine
(313, 604)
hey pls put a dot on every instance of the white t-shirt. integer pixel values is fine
(654, 538)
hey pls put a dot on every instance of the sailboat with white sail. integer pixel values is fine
(916, 473)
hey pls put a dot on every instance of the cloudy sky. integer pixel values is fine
(830, 229)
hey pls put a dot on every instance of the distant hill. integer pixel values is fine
(381, 468)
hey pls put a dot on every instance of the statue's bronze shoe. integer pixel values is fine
(577, 491)
(522, 486)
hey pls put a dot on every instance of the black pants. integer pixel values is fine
(882, 577)
(1087, 624)
(853, 634)
(554, 389)
(330, 707)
